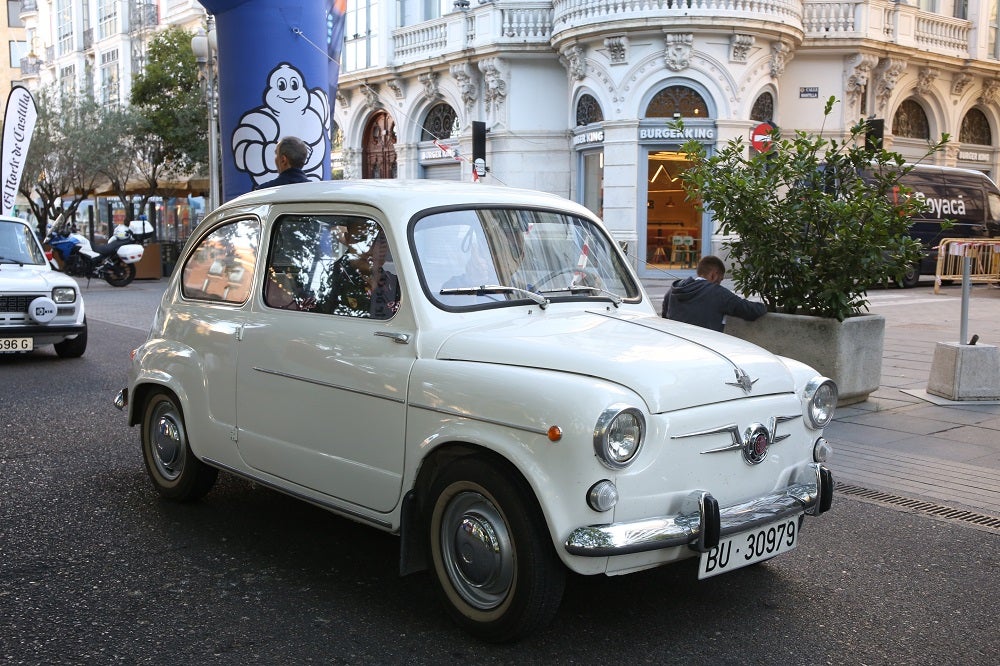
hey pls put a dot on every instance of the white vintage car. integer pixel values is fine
(38, 305)
(478, 370)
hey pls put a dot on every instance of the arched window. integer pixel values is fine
(975, 129)
(763, 108)
(677, 101)
(439, 123)
(910, 121)
(588, 111)
(379, 156)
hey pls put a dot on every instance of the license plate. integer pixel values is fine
(745, 548)
(16, 344)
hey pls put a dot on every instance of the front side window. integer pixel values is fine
(221, 267)
(491, 257)
(331, 264)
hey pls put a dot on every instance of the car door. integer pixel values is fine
(323, 367)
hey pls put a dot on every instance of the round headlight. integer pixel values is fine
(618, 436)
(821, 398)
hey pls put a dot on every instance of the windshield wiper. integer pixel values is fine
(578, 288)
(486, 289)
(5, 260)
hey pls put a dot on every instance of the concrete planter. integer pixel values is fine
(848, 352)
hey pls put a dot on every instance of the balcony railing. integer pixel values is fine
(535, 23)
(896, 23)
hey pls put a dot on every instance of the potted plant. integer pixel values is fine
(813, 224)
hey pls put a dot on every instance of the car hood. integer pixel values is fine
(31, 278)
(671, 365)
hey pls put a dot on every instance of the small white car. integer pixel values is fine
(38, 305)
(478, 370)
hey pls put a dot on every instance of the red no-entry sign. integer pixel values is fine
(760, 137)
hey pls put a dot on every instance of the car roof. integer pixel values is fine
(403, 198)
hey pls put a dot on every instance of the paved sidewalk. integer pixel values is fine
(901, 442)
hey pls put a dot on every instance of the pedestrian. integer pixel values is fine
(290, 156)
(703, 301)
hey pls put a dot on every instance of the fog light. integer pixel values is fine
(602, 496)
(822, 451)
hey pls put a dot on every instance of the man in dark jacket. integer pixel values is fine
(703, 301)
(290, 156)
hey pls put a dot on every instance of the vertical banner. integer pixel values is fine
(18, 126)
(273, 78)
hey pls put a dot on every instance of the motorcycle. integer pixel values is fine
(114, 262)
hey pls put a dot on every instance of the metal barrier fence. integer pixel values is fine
(984, 260)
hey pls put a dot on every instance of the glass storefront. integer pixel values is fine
(673, 224)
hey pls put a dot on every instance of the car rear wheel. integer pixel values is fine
(175, 471)
(73, 348)
(494, 561)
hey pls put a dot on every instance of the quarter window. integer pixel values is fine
(221, 267)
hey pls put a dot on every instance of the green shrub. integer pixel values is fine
(817, 222)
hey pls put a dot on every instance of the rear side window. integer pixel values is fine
(221, 267)
(331, 264)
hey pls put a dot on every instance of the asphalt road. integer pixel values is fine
(95, 569)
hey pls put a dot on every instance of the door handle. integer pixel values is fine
(398, 338)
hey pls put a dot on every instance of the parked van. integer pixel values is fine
(966, 197)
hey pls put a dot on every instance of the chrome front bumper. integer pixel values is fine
(706, 523)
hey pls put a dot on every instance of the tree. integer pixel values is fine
(815, 222)
(167, 134)
(68, 150)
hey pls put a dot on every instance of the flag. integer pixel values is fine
(18, 126)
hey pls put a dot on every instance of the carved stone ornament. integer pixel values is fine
(572, 58)
(678, 50)
(925, 80)
(961, 81)
(617, 49)
(468, 84)
(857, 80)
(781, 55)
(429, 80)
(991, 93)
(370, 94)
(739, 47)
(343, 98)
(396, 86)
(495, 78)
(886, 77)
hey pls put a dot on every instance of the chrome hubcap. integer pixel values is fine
(477, 550)
(167, 446)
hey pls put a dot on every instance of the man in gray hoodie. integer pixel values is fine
(703, 301)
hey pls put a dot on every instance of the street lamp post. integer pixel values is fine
(205, 48)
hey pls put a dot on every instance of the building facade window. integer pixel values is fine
(107, 18)
(14, 14)
(17, 50)
(910, 121)
(360, 35)
(763, 108)
(64, 27)
(67, 81)
(588, 111)
(439, 123)
(677, 102)
(975, 129)
(110, 77)
(994, 30)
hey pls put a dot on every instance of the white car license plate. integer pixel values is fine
(754, 545)
(16, 344)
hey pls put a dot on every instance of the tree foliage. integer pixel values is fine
(69, 148)
(816, 222)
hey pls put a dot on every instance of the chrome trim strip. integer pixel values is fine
(340, 387)
(734, 432)
(330, 506)
(472, 417)
(683, 529)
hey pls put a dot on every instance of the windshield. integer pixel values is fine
(493, 256)
(18, 245)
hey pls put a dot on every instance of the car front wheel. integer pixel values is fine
(175, 471)
(492, 555)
